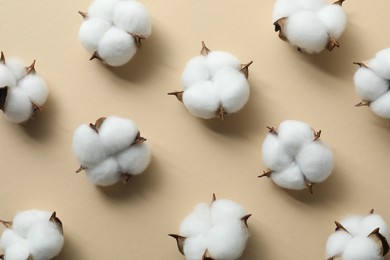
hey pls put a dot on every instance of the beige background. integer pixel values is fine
(192, 158)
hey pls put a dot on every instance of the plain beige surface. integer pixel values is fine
(192, 158)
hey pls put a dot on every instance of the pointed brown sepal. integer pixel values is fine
(309, 186)
(3, 97)
(36, 109)
(95, 55)
(245, 219)
(279, 27)
(178, 94)
(371, 211)
(31, 69)
(57, 221)
(337, 257)
(83, 14)
(363, 104)
(30, 258)
(339, 2)
(361, 63)
(98, 123)
(2, 257)
(317, 135)
(125, 177)
(245, 69)
(266, 174)
(381, 240)
(221, 113)
(272, 130)
(7, 224)
(340, 227)
(180, 242)
(204, 51)
(138, 39)
(139, 139)
(214, 198)
(332, 43)
(206, 256)
(82, 168)
(2, 58)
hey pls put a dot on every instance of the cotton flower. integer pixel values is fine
(214, 84)
(22, 91)
(111, 150)
(309, 25)
(358, 238)
(32, 235)
(295, 156)
(113, 29)
(372, 81)
(214, 232)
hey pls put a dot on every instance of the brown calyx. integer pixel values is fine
(361, 63)
(83, 14)
(272, 130)
(82, 168)
(2, 58)
(380, 240)
(340, 227)
(332, 43)
(317, 135)
(180, 242)
(139, 139)
(3, 97)
(98, 124)
(7, 224)
(245, 219)
(339, 2)
(337, 257)
(138, 38)
(214, 198)
(96, 55)
(266, 174)
(221, 113)
(245, 69)
(206, 256)
(177, 94)
(31, 69)
(363, 103)
(204, 51)
(125, 178)
(279, 27)
(57, 221)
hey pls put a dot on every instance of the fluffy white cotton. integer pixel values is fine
(109, 150)
(334, 19)
(6, 77)
(35, 87)
(17, 68)
(284, 8)
(110, 29)
(381, 63)
(218, 229)
(18, 107)
(294, 157)
(381, 106)
(352, 242)
(368, 85)
(33, 234)
(213, 82)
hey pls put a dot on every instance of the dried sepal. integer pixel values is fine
(279, 27)
(380, 240)
(309, 185)
(31, 69)
(82, 168)
(138, 39)
(371, 211)
(245, 219)
(177, 94)
(337, 257)
(272, 130)
(214, 198)
(7, 224)
(361, 63)
(340, 227)
(266, 174)
(206, 256)
(96, 55)
(245, 69)
(3, 96)
(2, 257)
(180, 242)
(363, 103)
(125, 178)
(221, 113)
(139, 139)
(2, 58)
(83, 14)
(317, 135)
(332, 43)
(57, 221)
(339, 2)
(204, 51)
(98, 123)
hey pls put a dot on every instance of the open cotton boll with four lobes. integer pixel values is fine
(111, 150)
(32, 235)
(113, 30)
(372, 81)
(309, 25)
(22, 91)
(214, 232)
(359, 238)
(214, 84)
(295, 156)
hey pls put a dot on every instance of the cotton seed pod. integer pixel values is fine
(309, 25)
(214, 84)
(112, 30)
(111, 150)
(372, 80)
(32, 235)
(358, 238)
(295, 156)
(214, 232)
(22, 91)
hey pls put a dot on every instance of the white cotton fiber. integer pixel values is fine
(194, 247)
(353, 224)
(274, 155)
(381, 63)
(132, 17)
(284, 8)
(35, 87)
(17, 252)
(334, 19)
(290, 178)
(226, 210)
(10, 237)
(25, 220)
(45, 240)
(362, 248)
(368, 85)
(305, 30)
(117, 134)
(135, 160)
(196, 71)
(311, 5)
(293, 135)
(91, 32)
(105, 173)
(372, 222)
(102, 9)
(336, 243)
(381, 106)
(18, 107)
(6, 77)
(17, 68)
(219, 60)
(197, 223)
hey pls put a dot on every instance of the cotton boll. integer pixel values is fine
(334, 18)
(226, 210)
(17, 68)
(294, 134)
(9, 237)
(290, 178)
(105, 173)
(369, 86)
(202, 100)
(25, 220)
(102, 9)
(45, 240)
(273, 154)
(91, 32)
(194, 247)
(196, 71)
(87, 146)
(117, 47)
(362, 248)
(305, 30)
(135, 159)
(381, 106)
(35, 87)
(218, 60)
(18, 107)
(7, 79)
(312, 5)
(336, 243)
(227, 241)
(284, 8)
(233, 89)
(315, 161)
(353, 224)
(381, 63)
(197, 223)
(372, 222)
(18, 251)
(132, 17)
(117, 134)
